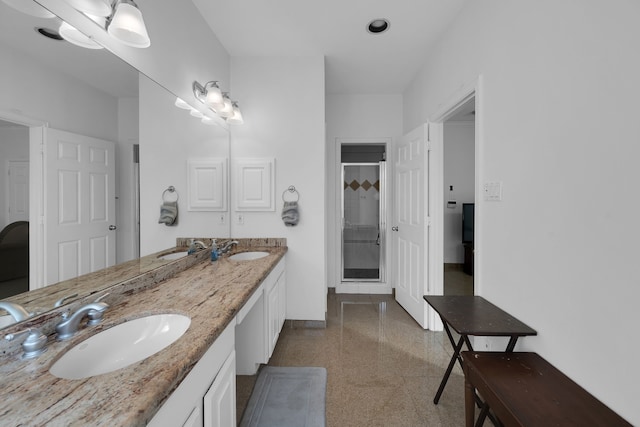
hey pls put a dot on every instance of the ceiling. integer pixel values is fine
(355, 61)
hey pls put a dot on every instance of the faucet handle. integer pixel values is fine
(95, 316)
(34, 345)
(64, 299)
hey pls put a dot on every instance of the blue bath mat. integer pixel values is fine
(287, 397)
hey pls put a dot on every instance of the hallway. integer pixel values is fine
(383, 369)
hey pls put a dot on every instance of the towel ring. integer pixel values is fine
(171, 189)
(292, 190)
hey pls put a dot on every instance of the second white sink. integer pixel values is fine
(248, 256)
(120, 346)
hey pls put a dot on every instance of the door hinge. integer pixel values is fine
(428, 221)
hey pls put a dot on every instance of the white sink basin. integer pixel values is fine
(248, 256)
(120, 346)
(173, 255)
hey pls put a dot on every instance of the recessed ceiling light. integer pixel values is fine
(49, 33)
(378, 26)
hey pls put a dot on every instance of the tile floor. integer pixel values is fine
(383, 369)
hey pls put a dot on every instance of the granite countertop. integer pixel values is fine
(211, 294)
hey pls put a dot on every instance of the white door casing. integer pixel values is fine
(411, 232)
(79, 214)
(17, 191)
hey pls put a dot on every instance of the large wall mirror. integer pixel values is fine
(52, 84)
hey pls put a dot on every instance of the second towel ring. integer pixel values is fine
(292, 190)
(171, 189)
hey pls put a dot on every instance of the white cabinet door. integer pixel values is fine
(195, 419)
(282, 297)
(273, 311)
(220, 400)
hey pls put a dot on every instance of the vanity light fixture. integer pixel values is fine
(92, 7)
(217, 101)
(236, 117)
(227, 110)
(30, 7)
(127, 26)
(209, 94)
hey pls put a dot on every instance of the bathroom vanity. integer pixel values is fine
(192, 381)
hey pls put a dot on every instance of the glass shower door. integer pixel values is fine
(362, 240)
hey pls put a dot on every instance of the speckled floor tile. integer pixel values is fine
(383, 369)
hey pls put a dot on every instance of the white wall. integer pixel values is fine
(169, 136)
(558, 118)
(14, 145)
(458, 171)
(63, 102)
(282, 100)
(359, 117)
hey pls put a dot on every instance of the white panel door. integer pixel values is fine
(411, 228)
(79, 205)
(17, 191)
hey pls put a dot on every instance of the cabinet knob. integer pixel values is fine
(394, 228)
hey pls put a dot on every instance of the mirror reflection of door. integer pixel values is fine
(363, 213)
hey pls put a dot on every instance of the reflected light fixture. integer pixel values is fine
(30, 7)
(76, 37)
(181, 104)
(208, 121)
(236, 116)
(92, 7)
(196, 113)
(127, 26)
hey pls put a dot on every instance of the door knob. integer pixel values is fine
(394, 228)
(112, 227)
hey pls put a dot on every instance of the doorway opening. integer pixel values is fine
(459, 199)
(363, 216)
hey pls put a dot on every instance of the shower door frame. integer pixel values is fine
(382, 223)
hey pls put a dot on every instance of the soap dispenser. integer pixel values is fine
(192, 247)
(214, 250)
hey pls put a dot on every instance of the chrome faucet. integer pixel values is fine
(34, 345)
(200, 244)
(227, 246)
(70, 323)
(16, 310)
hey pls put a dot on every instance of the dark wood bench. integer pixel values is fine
(523, 389)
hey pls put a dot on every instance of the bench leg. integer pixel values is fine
(469, 403)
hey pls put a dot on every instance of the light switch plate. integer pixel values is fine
(493, 191)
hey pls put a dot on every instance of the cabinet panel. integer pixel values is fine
(195, 419)
(220, 400)
(180, 406)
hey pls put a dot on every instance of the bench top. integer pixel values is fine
(474, 315)
(523, 389)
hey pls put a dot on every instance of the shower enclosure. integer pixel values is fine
(363, 220)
